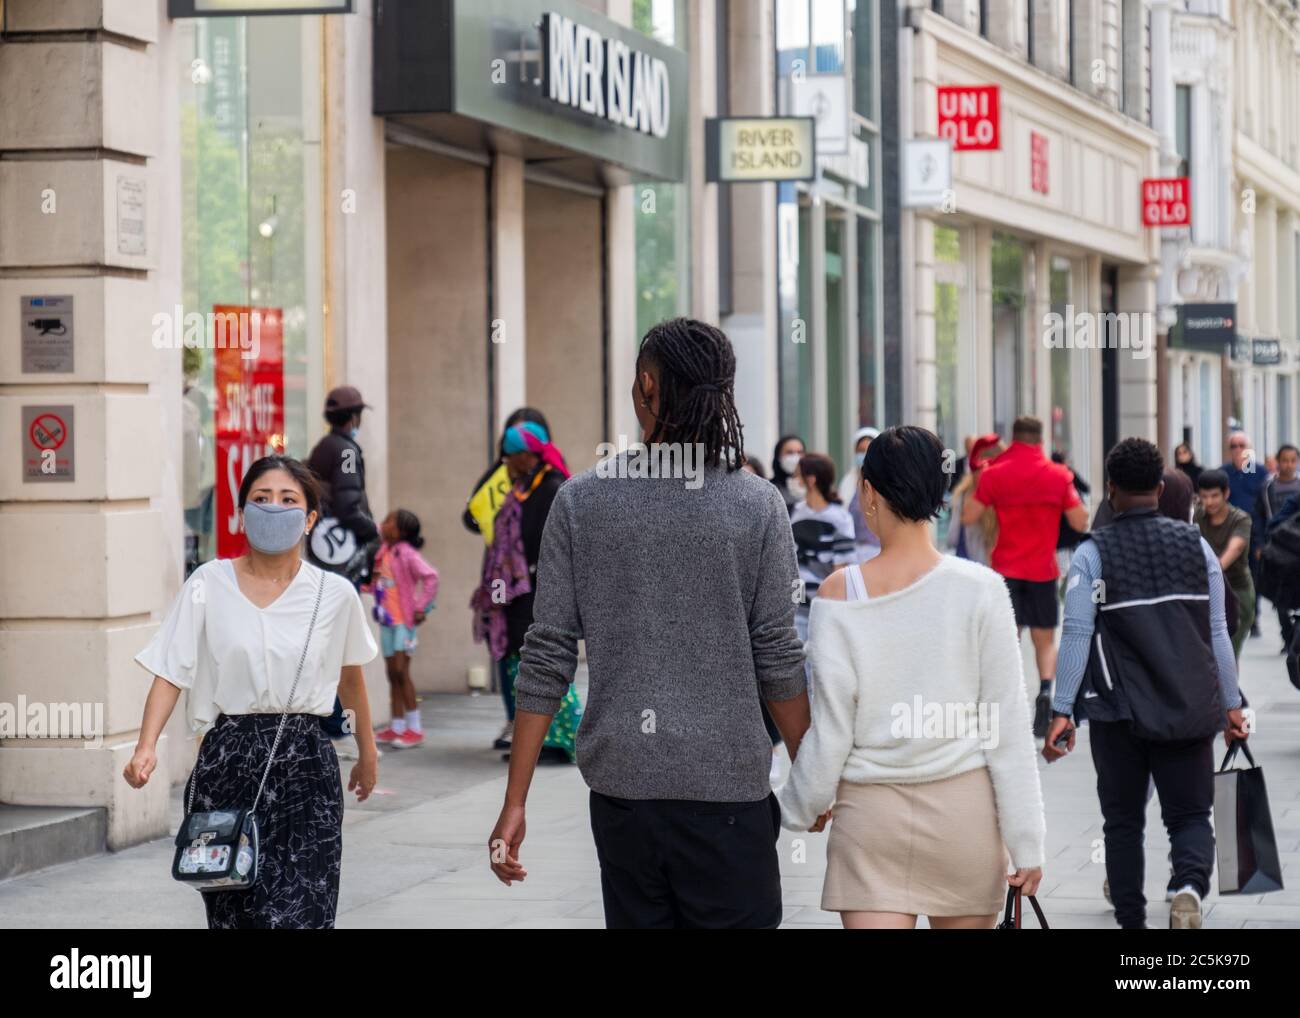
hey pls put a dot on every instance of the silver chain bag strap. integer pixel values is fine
(219, 850)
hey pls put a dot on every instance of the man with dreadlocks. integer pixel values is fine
(685, 595)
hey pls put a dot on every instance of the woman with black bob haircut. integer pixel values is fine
(263, 643)
(925, 813)
(904, 466)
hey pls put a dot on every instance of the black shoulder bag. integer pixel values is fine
(218, 850)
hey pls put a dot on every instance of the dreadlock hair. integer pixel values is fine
(697, 403)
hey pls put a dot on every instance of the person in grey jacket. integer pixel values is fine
(685, 594)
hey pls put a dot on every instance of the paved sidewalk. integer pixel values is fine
(414, 854)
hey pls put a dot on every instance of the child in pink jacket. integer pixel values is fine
(404, 587)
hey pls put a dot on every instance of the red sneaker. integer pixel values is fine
(386, 735)
(408, 739)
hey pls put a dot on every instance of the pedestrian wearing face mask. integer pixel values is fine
(785, 465)
(868, 544)
(346, 538)
(250, 640)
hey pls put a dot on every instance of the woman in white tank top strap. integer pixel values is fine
(924, 807)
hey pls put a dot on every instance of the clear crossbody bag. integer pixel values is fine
(218, 850)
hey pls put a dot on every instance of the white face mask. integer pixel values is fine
(797, 488)
(790, 463)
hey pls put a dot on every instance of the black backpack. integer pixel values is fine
(1279, 567)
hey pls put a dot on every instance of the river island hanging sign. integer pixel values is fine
(604, 77)
(759, 148)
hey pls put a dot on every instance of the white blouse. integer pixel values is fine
(236, 658)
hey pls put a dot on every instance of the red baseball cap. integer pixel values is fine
(980, 447)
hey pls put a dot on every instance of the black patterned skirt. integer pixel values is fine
(300, 819)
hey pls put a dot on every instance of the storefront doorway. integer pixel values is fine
(564, 261)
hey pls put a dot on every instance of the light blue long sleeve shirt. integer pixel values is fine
(1081, 616)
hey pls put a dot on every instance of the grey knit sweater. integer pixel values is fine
(686, 600)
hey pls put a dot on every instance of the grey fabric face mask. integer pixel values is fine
(273, 528)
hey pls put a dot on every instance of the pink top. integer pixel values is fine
(415, 579)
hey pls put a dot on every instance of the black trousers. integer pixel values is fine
(677, 864)
(1184, 777)
(1287, 623)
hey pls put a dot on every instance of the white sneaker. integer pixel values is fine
(346, 747)
(506, 737)
(1185, 912)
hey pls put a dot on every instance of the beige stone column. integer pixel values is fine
(702, 104)
(926, 367)
(89, 210)
(354, 213)
(508, 294)
(754, 322)
(1137, 375)
(982, 328)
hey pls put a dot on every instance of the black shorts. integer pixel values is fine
(1034, 602)
(676, 864)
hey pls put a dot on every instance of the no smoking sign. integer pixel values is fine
(48, 444)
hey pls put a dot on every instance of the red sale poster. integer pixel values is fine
(248, 374)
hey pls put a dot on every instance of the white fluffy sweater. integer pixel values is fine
(918, 685)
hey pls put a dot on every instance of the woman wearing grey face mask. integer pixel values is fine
(234, 639)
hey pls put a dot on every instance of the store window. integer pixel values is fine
(1010, 364)
(1285, 405)
(1061, 360)
(949, 305)
(250, 260)
(1207, 453)
(663, 287)
(1183, 129)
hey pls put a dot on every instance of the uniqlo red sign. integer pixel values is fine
(1166, 201)
(248, 374)
(1038, 178)
(969, 115)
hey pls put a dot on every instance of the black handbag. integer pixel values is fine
(219, 850)
(1293, 653)
(1244, 841)
(1011, 920)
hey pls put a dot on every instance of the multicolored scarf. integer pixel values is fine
(532, 437)
(505, 577)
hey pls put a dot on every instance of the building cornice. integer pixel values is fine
(985, 60)
(1253, 163)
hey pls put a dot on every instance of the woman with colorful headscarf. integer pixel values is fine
(503, 603)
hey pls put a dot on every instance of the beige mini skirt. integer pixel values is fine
(930, 849)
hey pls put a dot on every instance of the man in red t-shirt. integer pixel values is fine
(1029, 493)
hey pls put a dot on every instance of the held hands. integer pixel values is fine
(1027, 880)
(1238, 727)
(1051, 751)
(140, 766)
(420, 617)
(820, 824)
(365, 772)
(503, 845)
